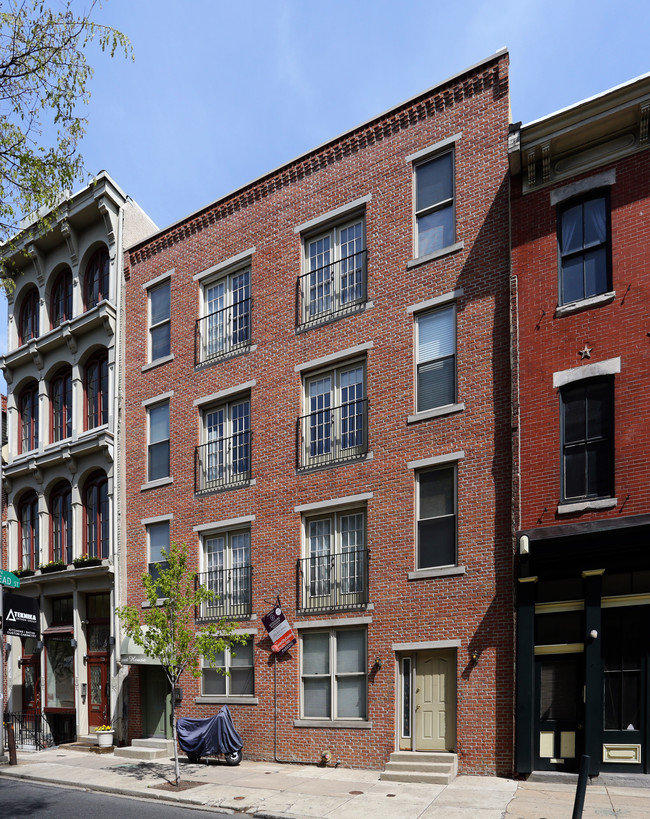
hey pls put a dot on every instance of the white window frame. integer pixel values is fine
(333, 300)
(443, 204)
(442, 467)
(420, 363)
(149, 526)
(236, 591)
(228, 660)
(151, 443)
(165, 321)
(333, 675)
(221, 470)
(218, 342)
(329, 583)
(339, 446)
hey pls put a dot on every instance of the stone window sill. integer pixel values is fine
(157, 363)
(584, 304)
(155, 484)
(333, 723)
(448, 409)
(586, 506)
(442, 571)
(444, 251)
(225, 700)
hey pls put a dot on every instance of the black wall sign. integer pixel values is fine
(20, 616)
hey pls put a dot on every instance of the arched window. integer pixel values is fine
(96, 512)
(61, 304)
(61, 402)
(61, 519)
(96, 383)
(28, 319)
(96, 281)
(28, 518)
(28, 406)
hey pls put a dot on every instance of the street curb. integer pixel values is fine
(171, 799)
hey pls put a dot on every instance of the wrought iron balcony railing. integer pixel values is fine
(334, 434)
(337, 287)
(232, 593)
(223, 463)
(222, 332)
(333, 581)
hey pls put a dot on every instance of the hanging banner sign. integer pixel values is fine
(279, 630)
(20, 616)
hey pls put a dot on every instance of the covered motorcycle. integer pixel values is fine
(207, 737)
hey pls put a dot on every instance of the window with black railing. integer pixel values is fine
(231, 592)
(331, 289)
(222, 332)
(333, 434)
(223, 463)
(334, 581)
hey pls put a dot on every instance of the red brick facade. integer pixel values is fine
(467, 609)
(581, 425)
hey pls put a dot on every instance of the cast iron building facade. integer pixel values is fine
(63, 455)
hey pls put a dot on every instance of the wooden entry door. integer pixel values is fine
(98, 705)
(156, 702)
(435, 701)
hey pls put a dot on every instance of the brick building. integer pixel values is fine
(64, 515)
(317, 401)
(581, 287)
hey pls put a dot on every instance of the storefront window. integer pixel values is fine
(60, 674)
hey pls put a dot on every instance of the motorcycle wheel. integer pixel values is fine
(234, 758)
(193, 758)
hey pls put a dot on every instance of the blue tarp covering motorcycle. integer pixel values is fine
(207, 737)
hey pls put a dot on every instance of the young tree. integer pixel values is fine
(169, 634)
(44, 76)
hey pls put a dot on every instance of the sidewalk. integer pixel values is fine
(276, 791)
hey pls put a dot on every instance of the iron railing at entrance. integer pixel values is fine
(35, 730)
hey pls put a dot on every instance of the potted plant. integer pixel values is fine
(24, 572)
(52, 566)
(104, 736)
(86, 560)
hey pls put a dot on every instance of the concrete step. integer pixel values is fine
(158, 743)
(136, 752)
(417, 776)
(427, 767)
(88, 739)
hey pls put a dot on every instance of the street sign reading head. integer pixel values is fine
(9, 579)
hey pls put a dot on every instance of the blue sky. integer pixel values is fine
(220, 92)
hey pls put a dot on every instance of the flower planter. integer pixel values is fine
(81, 564)
(104, 738)
(50, 569)
(24, 572)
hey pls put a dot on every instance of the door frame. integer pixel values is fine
(411, 658)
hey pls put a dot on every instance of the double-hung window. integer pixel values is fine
(61, 402)
(157, 542)
(96, 383)
(587, 409)
(436, 517)
(434, 204)
(230, 673)
(227, 563)
(96, 511)
(61, 303)
(334, 573)
(436, 358)
(29, 418)
(333, 674)
(158, 444)
(61, 517)
(29, 532)
(28, 322)
(225, 326)
(160, 321)
(584, 248)
(224, 457)
(335, 427)
(334, 280)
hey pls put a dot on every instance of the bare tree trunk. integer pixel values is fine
(177, 769)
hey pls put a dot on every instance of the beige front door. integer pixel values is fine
(435, 701)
